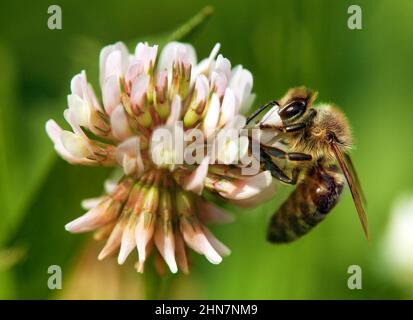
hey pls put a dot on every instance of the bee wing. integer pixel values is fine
(356, 178)
(352, 180)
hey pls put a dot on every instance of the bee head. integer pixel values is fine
(295, 104)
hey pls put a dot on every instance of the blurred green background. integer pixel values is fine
(284, 43)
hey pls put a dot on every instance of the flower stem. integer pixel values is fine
(156, 286)
(192, 24)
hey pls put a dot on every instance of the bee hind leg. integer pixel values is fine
(292, 156)
(276, 172)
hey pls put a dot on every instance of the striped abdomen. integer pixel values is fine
(307, 205)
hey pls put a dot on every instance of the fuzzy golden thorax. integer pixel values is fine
(328, 126)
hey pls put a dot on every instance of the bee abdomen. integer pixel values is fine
(307, 205)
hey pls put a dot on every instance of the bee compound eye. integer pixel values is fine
(293, 110)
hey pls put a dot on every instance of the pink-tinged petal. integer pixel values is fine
(74, 145)
(54, 132)
(201, 89)
(140, 265)
(113, 65)
(93, 99)
(80, 109)
(161, 86)
(220, 82)
(120, 124)
(70, 117)
(164, 230)
(94, 218)
(241, 83)
(165, 242)
(105, 52)
(243, 148)
(237, 122)
(80, 87)
(90, 203)
(129, 147)
(214, 53)
(178, 52)
(204, 67)
(195, 181)
(228, 141)
(228, 107)
(134, 69)
(139, 90)
(265, 195)
(146, 54)
(111, 184)
(221, 248)
(111, 94)
(176, 108)
(196, 239)
(229, 145)
(252, 186)
(128, 164)
(128, 240)
(180, 252)
(145, 226)
(142, 237)
(221, 185)
(211, 119)
(247, 103)
(77, 84)
(113, 242)
(210, 214)
(223, 65)
(162, 145)
(244, 188)
(129, 156)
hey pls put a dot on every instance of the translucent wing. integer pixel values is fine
(356, 178)
(347, 167)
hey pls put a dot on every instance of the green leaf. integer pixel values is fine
(7, 84)
(26, 153)
(42, 231)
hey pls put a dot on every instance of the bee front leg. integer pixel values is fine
(276, 172)
(293, 127)
(261, 109)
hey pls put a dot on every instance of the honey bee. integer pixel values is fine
(308, 146)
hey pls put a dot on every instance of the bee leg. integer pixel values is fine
(260, 109)
(294, 127)
(276, 172)
(292, 156)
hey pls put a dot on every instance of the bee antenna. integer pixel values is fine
(261, 109)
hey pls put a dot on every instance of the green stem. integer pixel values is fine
(192, 24)
(156, 286)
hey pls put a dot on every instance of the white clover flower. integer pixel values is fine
(398, 241)
(158, 201)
